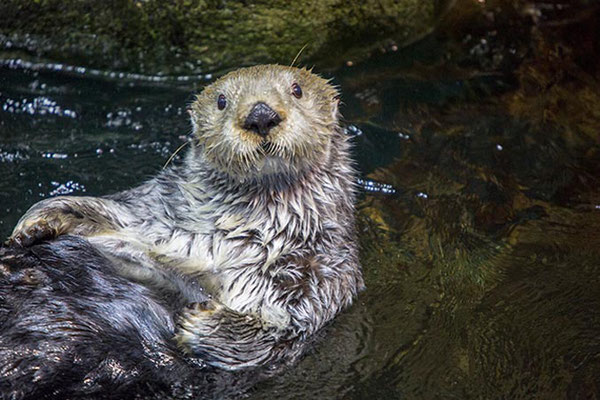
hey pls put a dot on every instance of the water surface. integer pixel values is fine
(478, 219)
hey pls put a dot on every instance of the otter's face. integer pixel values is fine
(266, 120)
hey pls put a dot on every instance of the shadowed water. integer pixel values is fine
(478, 219)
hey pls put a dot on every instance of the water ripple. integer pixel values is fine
(20, 64)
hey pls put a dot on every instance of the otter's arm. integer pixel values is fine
(311, 292)
(69, 214)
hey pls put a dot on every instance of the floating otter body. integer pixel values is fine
(259, 214)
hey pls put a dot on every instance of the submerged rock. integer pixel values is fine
(152, 36)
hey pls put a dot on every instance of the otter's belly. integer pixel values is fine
(233, 266)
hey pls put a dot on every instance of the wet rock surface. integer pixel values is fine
(152, 36)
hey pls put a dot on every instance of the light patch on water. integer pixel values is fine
(41, 105)
(56, 156)
(170, 107)
(353, 130)
(156, 147)
(376, 187)
(17, 63)
(61, 189)
(7, 156)
(369, 96)
(121, 118)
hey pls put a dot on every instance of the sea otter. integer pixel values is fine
(259, 213)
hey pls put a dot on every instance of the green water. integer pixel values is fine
(479, 155)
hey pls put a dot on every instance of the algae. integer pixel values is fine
(188, 36)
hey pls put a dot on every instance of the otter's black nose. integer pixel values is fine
(261, 119)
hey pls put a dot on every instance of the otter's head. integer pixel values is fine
(266, 120)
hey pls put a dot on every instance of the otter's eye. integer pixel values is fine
(221, 101)
(296, 90)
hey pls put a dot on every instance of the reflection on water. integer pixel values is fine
(479, 159)
(74, 70)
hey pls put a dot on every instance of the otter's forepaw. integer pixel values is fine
(35, 232)
(198, 320)
(224, 338)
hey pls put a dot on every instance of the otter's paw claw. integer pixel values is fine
(35, 233)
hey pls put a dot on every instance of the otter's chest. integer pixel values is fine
(256, 240)
(245, 254)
